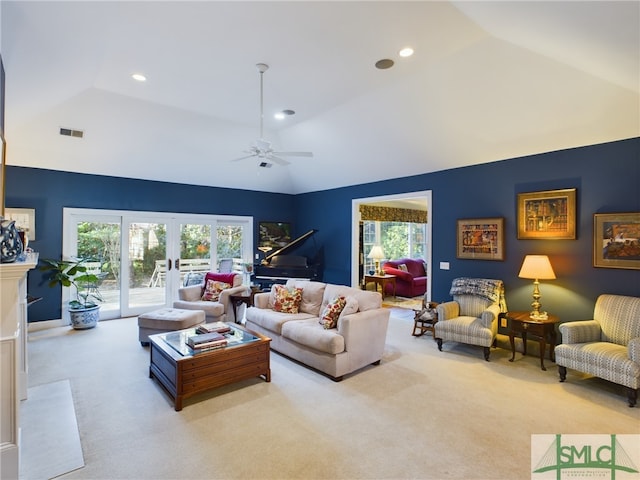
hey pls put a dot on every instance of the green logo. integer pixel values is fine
(585, 456)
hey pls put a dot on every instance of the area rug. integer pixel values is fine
(403, 302)
(50, 444)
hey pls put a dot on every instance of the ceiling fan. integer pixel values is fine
(262, 148)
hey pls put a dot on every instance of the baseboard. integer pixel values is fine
(44, 325)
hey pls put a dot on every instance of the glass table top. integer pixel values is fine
(178, 340)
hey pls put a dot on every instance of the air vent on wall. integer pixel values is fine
(71, 133)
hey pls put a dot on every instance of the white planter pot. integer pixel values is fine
(82, 319)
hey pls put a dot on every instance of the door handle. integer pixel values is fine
(177, 264)
(168, 264)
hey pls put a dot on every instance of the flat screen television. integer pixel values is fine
(274, 235)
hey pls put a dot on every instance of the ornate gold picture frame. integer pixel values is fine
(548, 215)
(481, 238)
(616, 240)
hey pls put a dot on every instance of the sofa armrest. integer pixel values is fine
(582, 331)
(192, 293)
(365, 332)
(261, 300)
(633, 350)
(448, 310)
(490, 315)
(406, 276)
(226, 302)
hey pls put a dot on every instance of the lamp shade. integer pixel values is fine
(376, 253)
(537, 267)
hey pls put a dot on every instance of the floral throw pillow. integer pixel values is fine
(212, 290)
(287, 301)
(331, 313)
(403, 267)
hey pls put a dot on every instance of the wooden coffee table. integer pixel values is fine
(184, 373)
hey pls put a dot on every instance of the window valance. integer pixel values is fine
(389, 214)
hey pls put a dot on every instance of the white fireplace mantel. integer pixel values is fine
(13, 361)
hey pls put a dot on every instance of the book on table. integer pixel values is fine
(218, 327)
(207, 340)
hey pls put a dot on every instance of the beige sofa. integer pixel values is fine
(358, 340)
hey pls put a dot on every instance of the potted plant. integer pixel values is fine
(83, 311)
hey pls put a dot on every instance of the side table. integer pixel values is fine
(237, 300)
(381, 280)
(544, 329)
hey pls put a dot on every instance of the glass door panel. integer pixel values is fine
(195, 250)
(148, 269)
(99, 243)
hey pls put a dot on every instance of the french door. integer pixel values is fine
(142, 258)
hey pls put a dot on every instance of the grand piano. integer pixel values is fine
(279, 266)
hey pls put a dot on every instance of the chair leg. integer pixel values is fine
(562, 371)
(632, 395)
(439, 340)
(487, 352)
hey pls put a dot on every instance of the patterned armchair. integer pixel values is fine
(607, 346)
(472, 316)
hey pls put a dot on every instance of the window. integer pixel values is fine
(398, 240)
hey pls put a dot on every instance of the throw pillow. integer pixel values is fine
(212, 290)
(331, 313)
(403, 267)
(287, 300)
(350, 307)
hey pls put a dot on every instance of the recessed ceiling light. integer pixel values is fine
(139, 77)
(384, 64)
(406, 52)
(279, 116)
(284, 113)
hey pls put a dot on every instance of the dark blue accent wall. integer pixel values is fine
(49, 191)
(607, 179)
(606, 176)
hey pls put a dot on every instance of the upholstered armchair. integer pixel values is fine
(607, 346)
(216, 310)
(472, 316)
(411, 277)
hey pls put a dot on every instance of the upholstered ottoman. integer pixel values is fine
(167, 320)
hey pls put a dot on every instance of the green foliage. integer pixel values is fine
(72, 273)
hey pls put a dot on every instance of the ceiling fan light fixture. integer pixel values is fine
(138, 77)
(279, 115)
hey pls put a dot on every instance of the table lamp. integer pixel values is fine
(537, 267)
(377, 254)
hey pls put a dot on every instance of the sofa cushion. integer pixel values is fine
(212, 290)
(366, 300)
(332, 311)
(350, 307)
(312, 293)
(211, 309)
(310, 334)
(272, 320)
(403, 267)
(287, 299)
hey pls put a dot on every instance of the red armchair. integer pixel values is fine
(411, 283)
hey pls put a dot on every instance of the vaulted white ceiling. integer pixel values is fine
(488, 81)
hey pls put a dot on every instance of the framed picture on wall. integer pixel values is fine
(548, 215)
(274, 235)
(481, 238)
(25, 219)
(616, 240)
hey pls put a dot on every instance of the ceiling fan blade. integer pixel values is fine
(294, 154)
(279, 161)
(243, 158)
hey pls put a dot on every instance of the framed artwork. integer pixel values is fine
(481, 238)
(274, 235)
(549, 215)
(616, 240)
(25, 220)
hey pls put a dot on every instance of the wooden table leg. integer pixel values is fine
(512, 341)
(543, 348)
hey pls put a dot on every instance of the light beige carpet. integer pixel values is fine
(403, 302)
(50, 442)
(420, 414)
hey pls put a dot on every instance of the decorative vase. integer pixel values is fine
(10, 243)
(85, 318)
